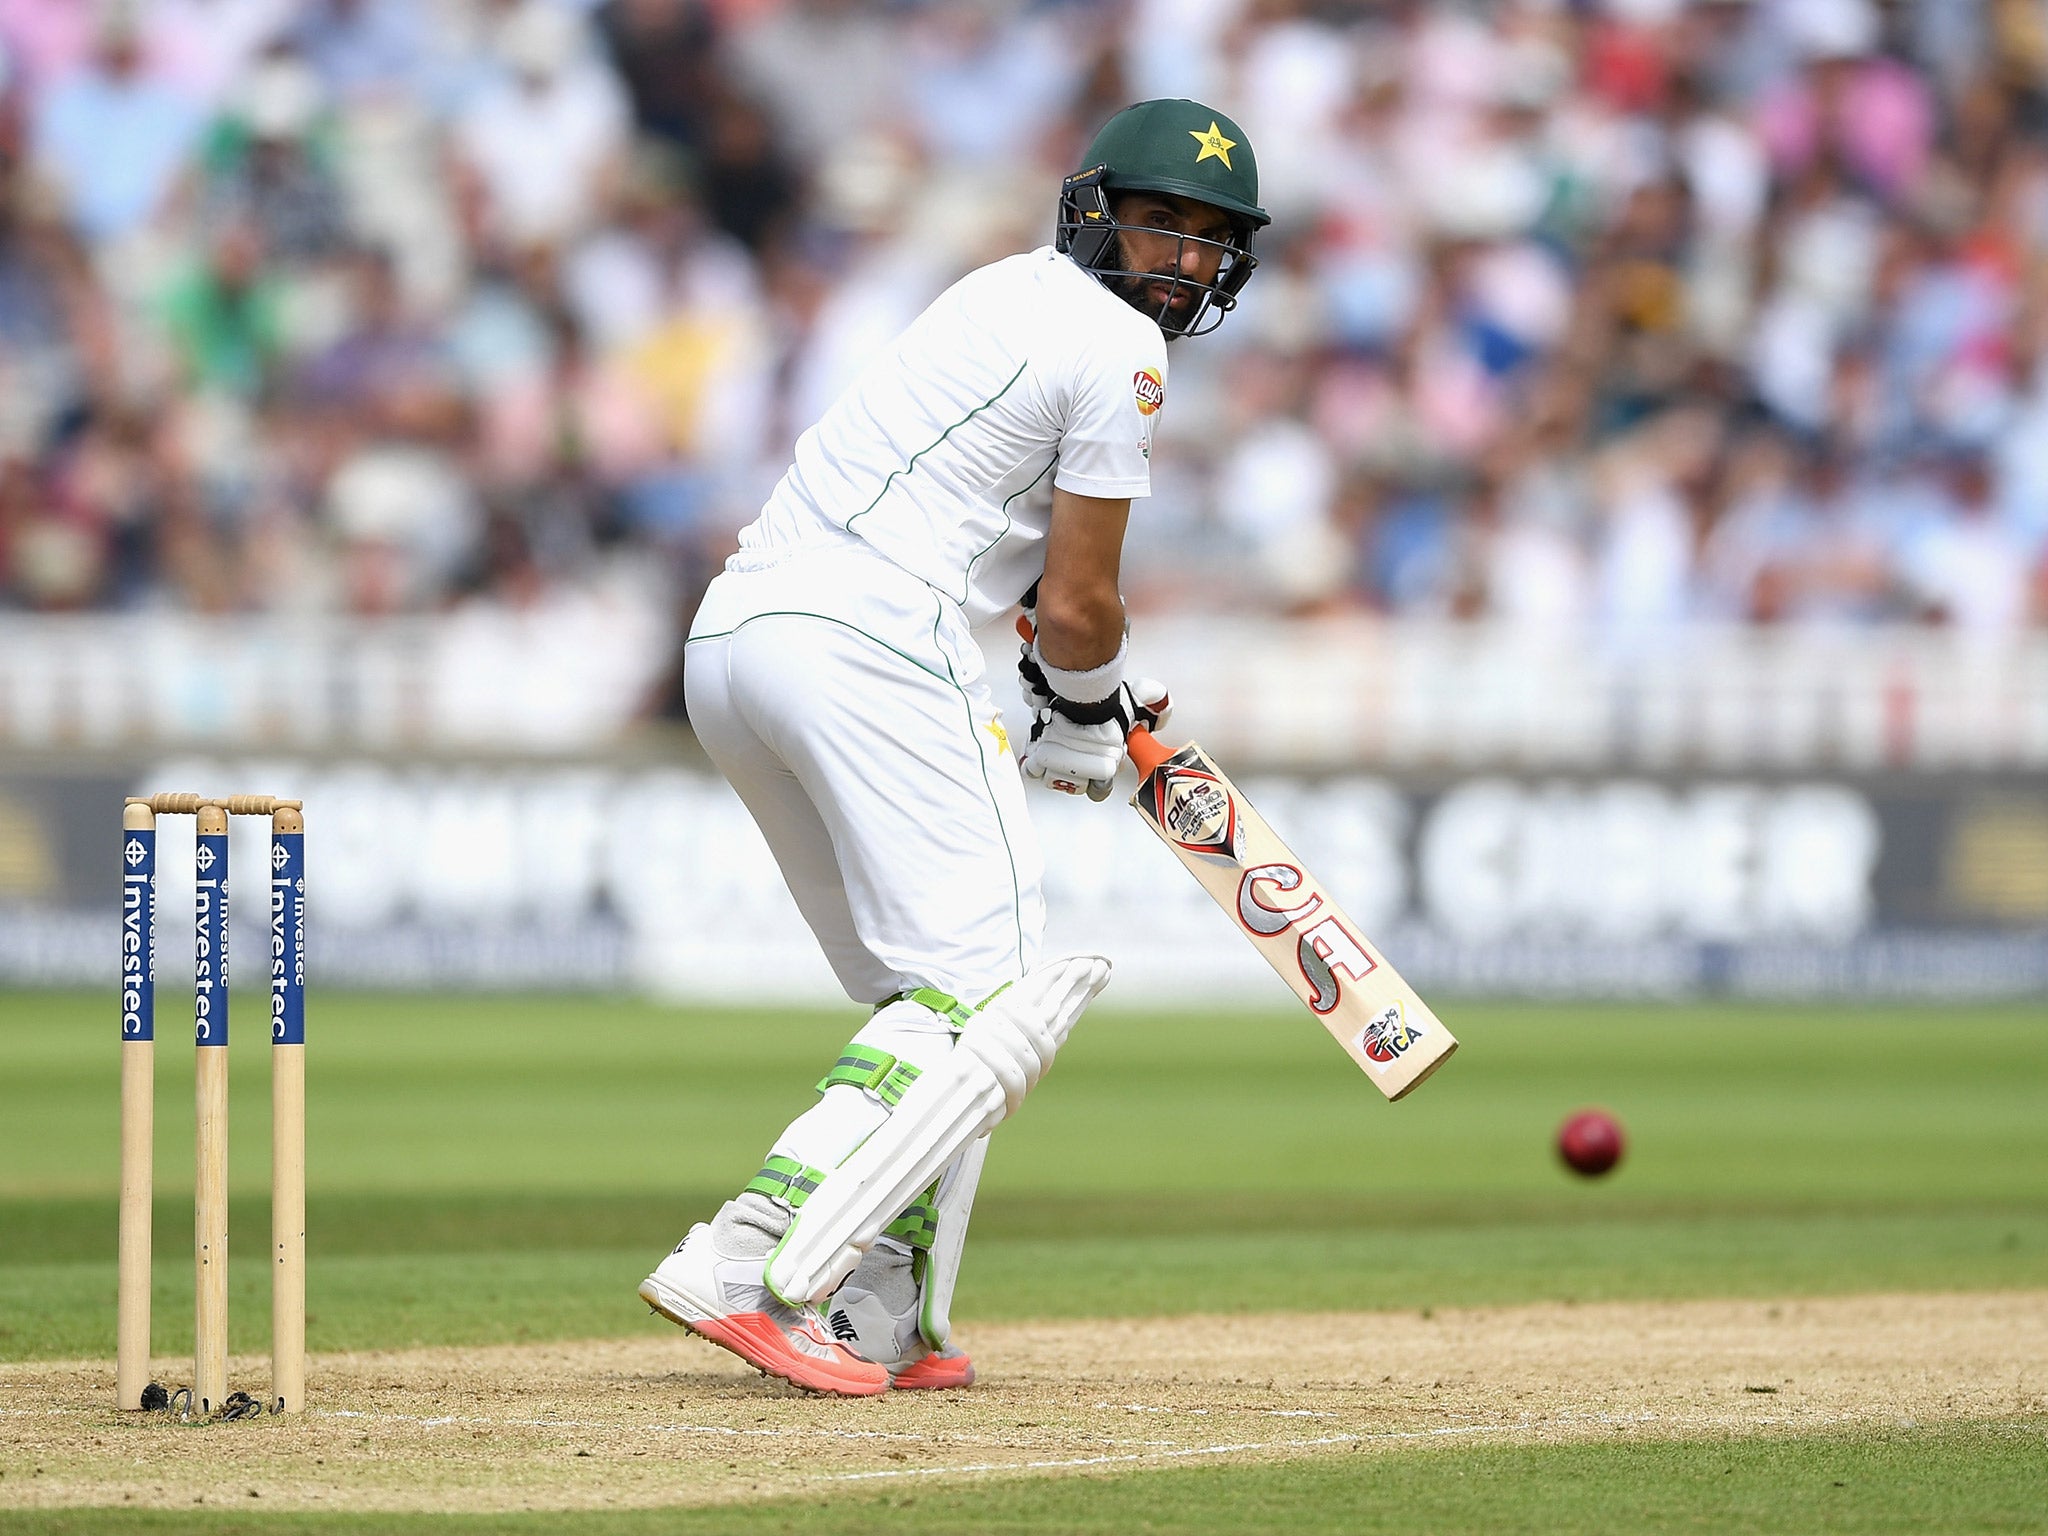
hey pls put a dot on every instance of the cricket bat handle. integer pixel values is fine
(1146, 750)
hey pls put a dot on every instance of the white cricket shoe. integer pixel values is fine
(727, 1301)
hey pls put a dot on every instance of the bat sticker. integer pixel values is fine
(1260, 915)
(1325, 950)
(1387, 1038)
(1197, 813)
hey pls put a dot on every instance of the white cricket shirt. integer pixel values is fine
(943, 453)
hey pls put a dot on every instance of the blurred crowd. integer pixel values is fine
(1604, 314)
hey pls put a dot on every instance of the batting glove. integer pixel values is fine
(1076, 748)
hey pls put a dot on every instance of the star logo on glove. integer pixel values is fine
(995, 729)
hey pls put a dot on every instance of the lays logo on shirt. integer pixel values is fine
(1150, 389)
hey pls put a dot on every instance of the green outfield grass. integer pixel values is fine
(543, 1152)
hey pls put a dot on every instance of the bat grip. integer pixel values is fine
(1146, 750)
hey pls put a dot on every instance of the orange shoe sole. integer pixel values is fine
(754, 1337)
(935, 1373)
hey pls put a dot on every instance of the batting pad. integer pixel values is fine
(955, 1203)
(1002, 1051)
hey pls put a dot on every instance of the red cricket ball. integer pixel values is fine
(1590, 1142)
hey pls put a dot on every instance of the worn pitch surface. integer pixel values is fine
(670, 1420)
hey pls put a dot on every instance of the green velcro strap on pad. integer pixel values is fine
(787, 1180)
(944, 1004)
(858, 1066)
(900, 1077)
(919, 1225)
(878, 1072)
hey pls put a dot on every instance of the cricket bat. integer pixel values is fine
(1288, 916)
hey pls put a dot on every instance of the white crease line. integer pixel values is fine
(1176, 1455)
(720, 1430)
(725, 1430)
(1203, 1414)
(673, 1429)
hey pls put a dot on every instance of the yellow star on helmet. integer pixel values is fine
(1214, 145)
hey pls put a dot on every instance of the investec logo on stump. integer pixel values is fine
(287, 943)
(138, 939)
(209, 939)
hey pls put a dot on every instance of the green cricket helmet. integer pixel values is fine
(1187, 150)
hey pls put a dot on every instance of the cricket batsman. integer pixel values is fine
(987, 457)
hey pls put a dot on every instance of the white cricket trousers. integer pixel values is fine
(847, 703)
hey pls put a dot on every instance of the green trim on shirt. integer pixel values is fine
(912, 464)
(967, 580)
